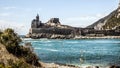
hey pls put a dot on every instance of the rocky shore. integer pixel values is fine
(53, 65)
(104, 37)
(50, 36)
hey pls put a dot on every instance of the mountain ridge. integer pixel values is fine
(99, 25)
(109, 22)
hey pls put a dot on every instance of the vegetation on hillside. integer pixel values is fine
(112, 22)
(11, 41)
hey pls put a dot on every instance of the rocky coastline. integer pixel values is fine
(50, 36)
(104, 37)
(54, 65)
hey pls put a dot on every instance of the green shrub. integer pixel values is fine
(32, 59)
(2, 65)
(112, 22)
(18, 64)
(11, 41)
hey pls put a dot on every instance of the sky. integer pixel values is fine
(18, 14)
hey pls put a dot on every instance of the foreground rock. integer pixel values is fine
(9, 60)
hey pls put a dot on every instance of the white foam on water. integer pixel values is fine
(72, 42)
(46, 49)
(49, 41)
(25, 38)
(37, 48)
(48, 45)
(103, 41)
(51, 50)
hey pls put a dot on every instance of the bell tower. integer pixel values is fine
(37, 17)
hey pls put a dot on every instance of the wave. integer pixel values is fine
(37, 48)
(43, 39)
(48, 45)
(73, 42)
(52, 50)
(26, 38)
(103, 41)
(46, 49)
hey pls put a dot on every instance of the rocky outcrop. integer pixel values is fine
(8, 60)
(51, 29)
(5, 56)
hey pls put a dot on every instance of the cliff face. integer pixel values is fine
(108, 22)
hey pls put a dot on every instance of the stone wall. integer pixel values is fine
(52, 31)
(89, 32)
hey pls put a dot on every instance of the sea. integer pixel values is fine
(100, 52)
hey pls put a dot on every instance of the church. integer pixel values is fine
(36, 23)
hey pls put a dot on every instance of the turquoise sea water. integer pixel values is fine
(78, 52)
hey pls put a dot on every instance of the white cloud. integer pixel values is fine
(9, 7)
(5, 14)
(83, 21)
(81, 18)
(20, 28)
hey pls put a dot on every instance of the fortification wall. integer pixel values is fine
(62, 31)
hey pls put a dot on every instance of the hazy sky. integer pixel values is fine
(18, 14)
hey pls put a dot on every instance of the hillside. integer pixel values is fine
(8, 60)
(110, 21)
(12, 55)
